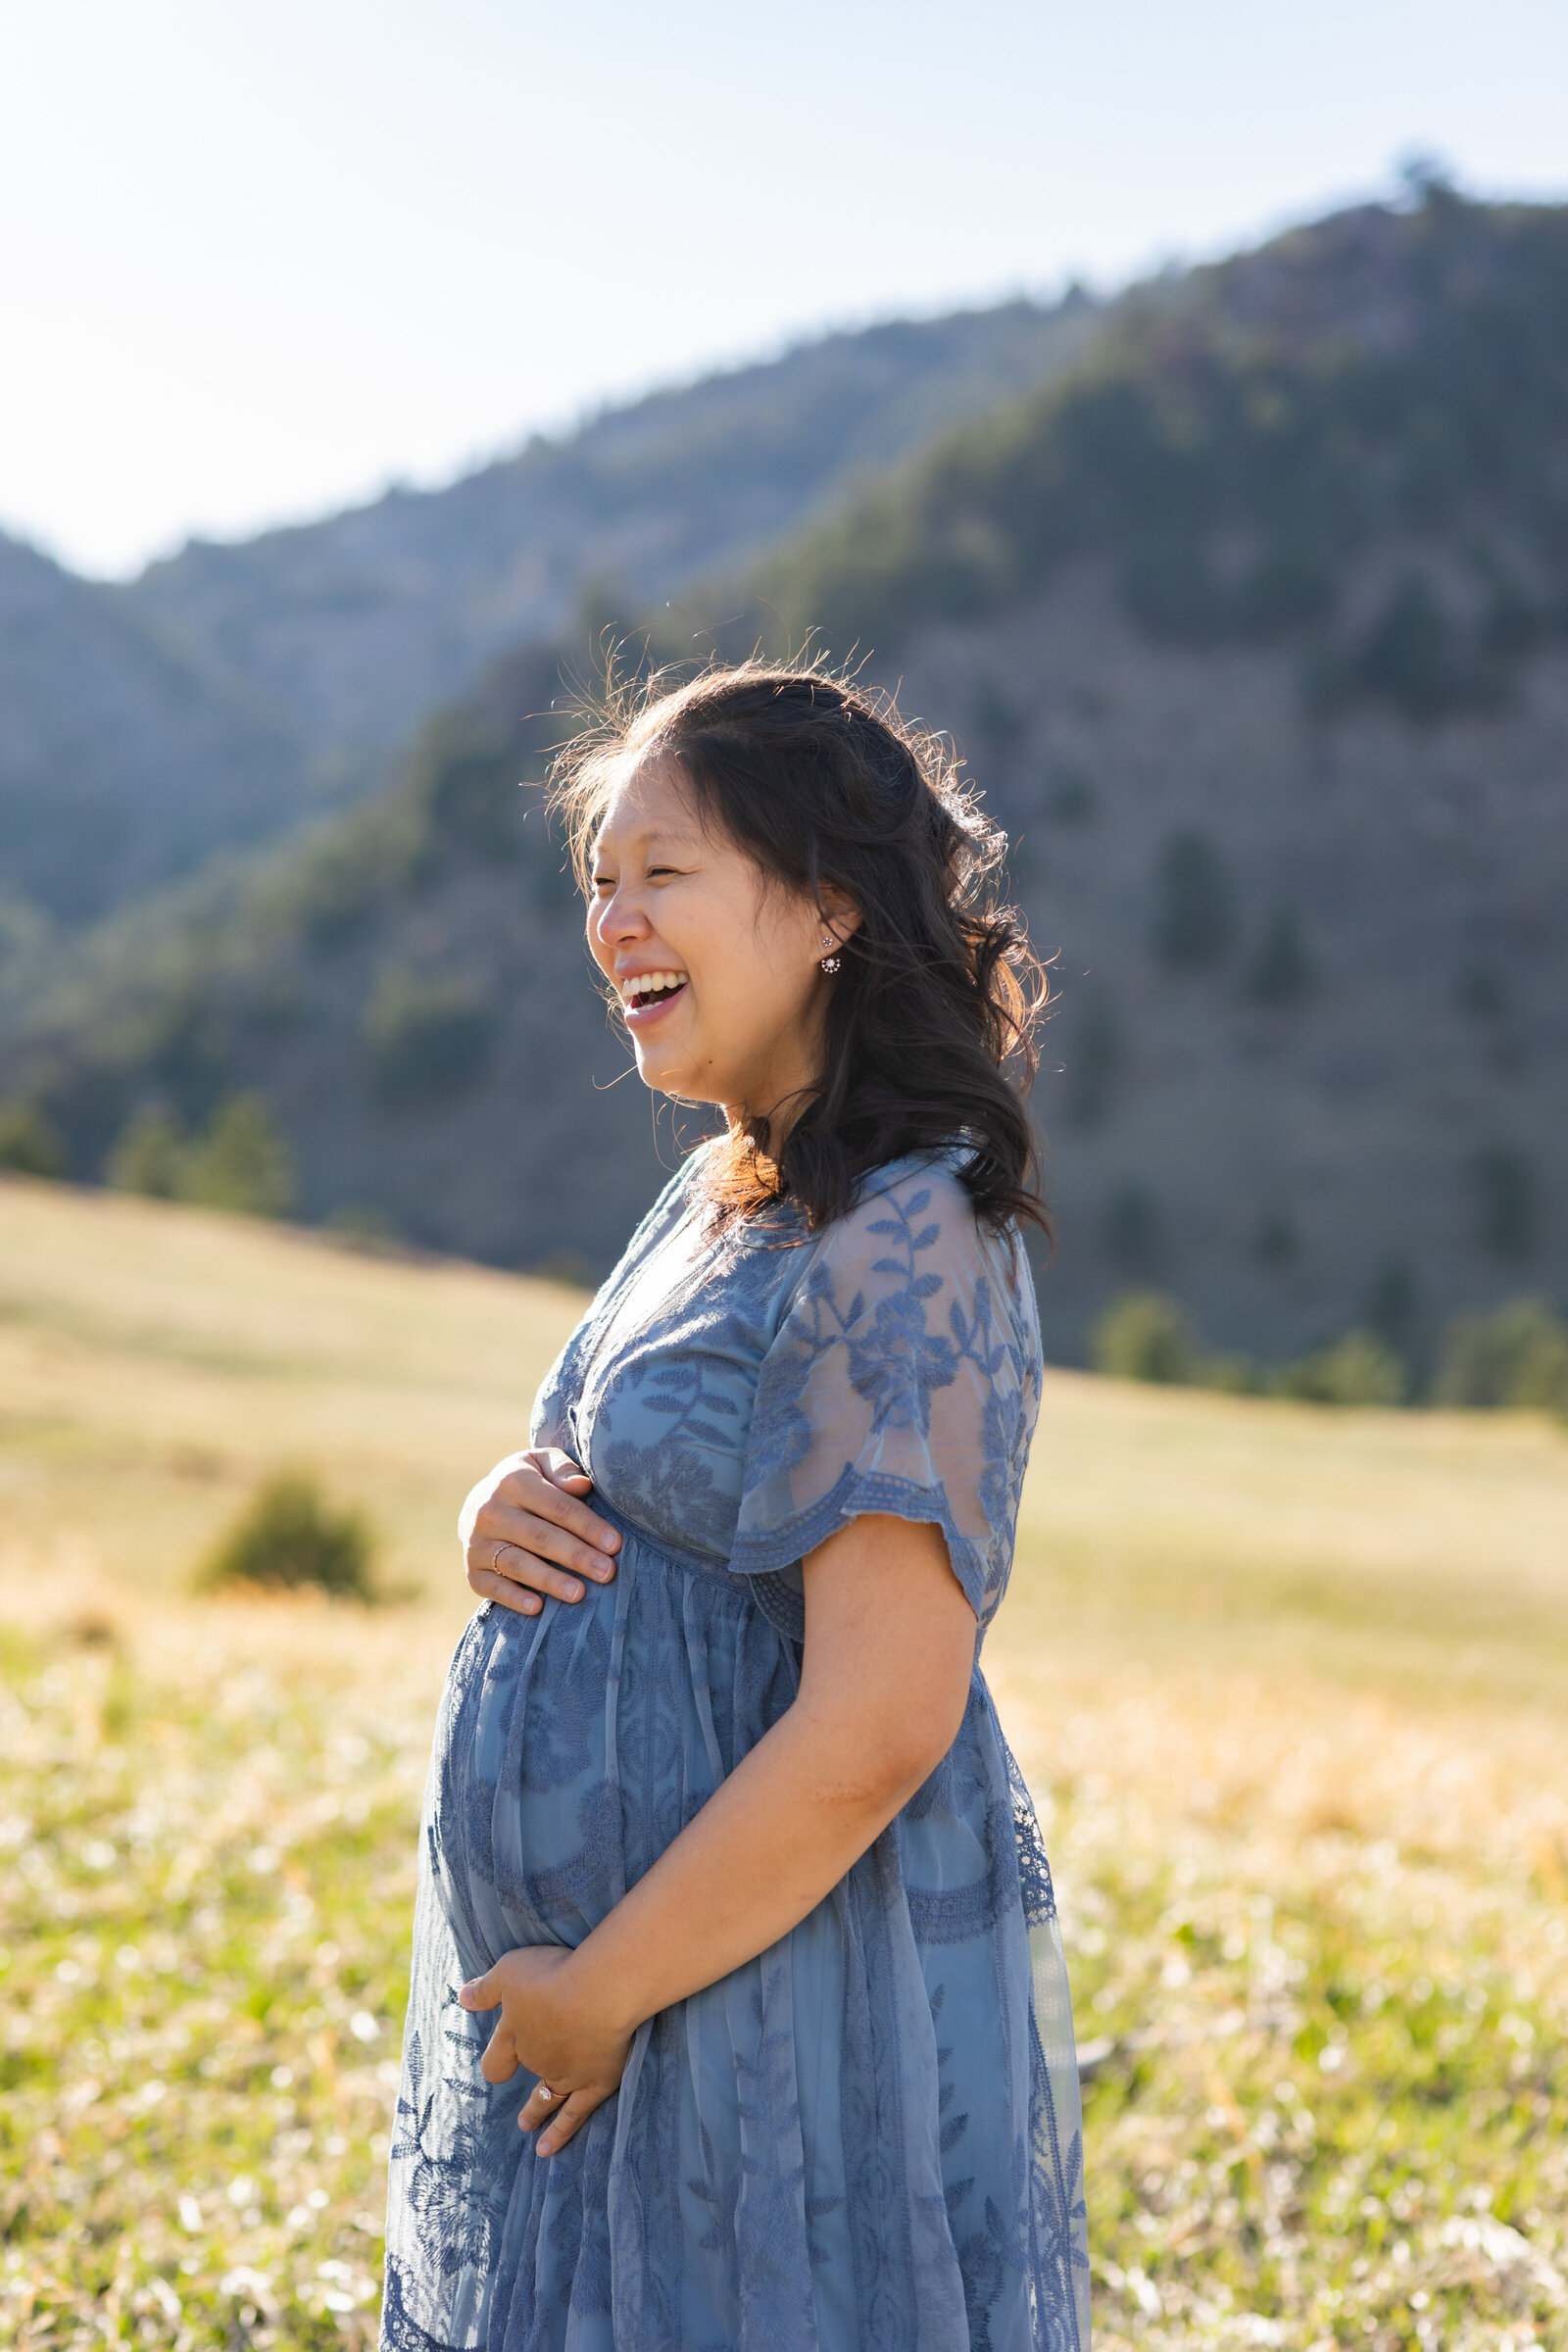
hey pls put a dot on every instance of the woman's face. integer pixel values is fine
(718, 976)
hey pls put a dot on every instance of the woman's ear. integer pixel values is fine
(840, 913)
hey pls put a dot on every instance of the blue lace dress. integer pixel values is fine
(867, 2139)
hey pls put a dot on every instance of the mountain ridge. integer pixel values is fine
(1334, 400)
(1312, 1032)
(241, 689)
(105, 717)
(632, 503)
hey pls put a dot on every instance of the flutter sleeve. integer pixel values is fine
(904, 1379)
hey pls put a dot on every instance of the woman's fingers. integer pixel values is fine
(506, 1567)
(528, 1529)
(504, 1591)
(560, 1469)
(558, 2117)
(509, 1558)
(528, 1489)
(500, 2061)
(569, 2117)
(540, 1538)
(537, 2110)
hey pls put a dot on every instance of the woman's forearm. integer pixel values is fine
(772, 1840)
(890, 1647)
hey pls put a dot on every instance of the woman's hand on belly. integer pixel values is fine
(525, 1531)
(578, 2059)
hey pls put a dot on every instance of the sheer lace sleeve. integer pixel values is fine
(904, 1379)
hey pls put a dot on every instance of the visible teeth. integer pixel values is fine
(649, 983)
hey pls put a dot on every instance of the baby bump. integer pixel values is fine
(574, 1747)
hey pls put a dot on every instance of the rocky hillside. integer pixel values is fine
(1254, 631)
(1256, 628)
(1354, 443)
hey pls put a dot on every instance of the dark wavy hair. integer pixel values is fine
(932, 1017)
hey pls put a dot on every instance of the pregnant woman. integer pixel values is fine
(738, 2020)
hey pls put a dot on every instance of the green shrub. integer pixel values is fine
(288, 1536)
(1359, 1370)
(148, 1156)
(1195, 915)
(1143, 1335)
(1417, 657)
(467, 776)
(568, 1267)
(330, 887)
(364, 1225)
(1516, 1358)
(29, 1145)
(427, 1038)
(240, 1163)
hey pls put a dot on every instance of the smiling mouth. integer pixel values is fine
(645, 996)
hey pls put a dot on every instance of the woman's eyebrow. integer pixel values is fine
(657, 836)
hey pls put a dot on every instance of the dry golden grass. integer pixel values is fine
(1289, 1684)
(155, 1362)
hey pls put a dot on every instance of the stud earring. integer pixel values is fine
(832, 960)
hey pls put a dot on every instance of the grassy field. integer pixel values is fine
(1289, 1686)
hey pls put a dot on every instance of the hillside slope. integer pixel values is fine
(1354, 440)
(124, 757)
(156, 1361)
(1311, 1048)
(359, 625)
(1310, 1059)
(235, 690)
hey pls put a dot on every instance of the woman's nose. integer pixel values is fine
(620, 917)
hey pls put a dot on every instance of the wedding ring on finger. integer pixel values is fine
(545, 2092)
(501, 1547)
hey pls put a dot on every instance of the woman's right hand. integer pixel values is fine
(525, 1531)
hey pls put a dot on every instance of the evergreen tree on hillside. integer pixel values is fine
(30, 1142)
(149, 1155)
(1094, 1062)
(1282, 970)
(1195, 913)
(1508, 1211)
(241, 1163)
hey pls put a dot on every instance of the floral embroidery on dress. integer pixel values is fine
(866, 2139)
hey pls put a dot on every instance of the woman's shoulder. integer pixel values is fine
(937, 1173)
(927, 1185)
(910, 1275)
(918, 1207)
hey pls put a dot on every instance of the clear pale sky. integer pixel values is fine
(260, 257)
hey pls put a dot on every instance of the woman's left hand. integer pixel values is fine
(579, 2061)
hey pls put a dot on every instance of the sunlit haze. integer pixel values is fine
(263, 258)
